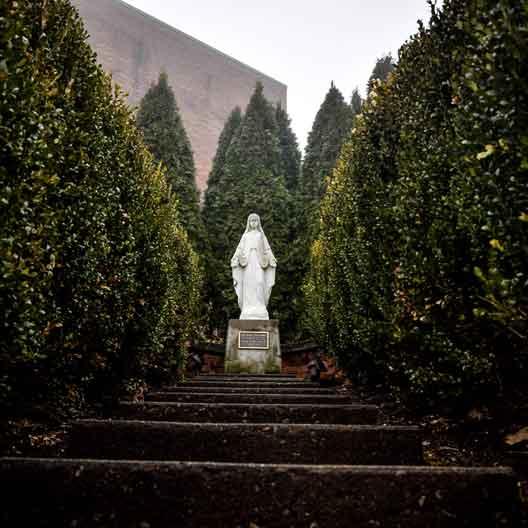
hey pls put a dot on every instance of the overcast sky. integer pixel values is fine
(305, 44)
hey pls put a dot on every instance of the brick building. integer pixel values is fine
(134, 47)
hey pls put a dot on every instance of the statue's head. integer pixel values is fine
(253, 222)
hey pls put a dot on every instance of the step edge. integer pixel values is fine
(325, 394)
(324, 406)
(217, 425)
(343, 468)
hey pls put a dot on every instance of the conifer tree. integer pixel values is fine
(213, 217)
(295, 258)
(356, 102)
(227, 134)
(383, 67)
(251, 180)
(213, 202)
(330, 129)
(331, 126)
(290, 154)
(159, 119)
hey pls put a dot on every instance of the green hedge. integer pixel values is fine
(97, 282)
(420, 272)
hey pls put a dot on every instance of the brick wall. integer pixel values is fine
(134, 47)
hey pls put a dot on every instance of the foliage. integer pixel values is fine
(296, 258)
(356, 102)
(289, 149)
(383, 67)
(331, 126)
(215, 178)
(98, 283)
(214, 220)
(249, 176)
(420, 268)
(165, 136)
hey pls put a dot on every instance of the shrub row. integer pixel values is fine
(97, 278)
(419, 276)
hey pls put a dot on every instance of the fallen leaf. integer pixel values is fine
(516, 438)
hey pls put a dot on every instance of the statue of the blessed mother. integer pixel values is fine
(253, 266)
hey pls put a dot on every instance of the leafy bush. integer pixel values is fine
(421, 262)
(97, 277)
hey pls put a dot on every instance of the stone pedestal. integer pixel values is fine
(253, 346)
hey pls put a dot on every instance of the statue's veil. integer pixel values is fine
(249, 218)
(266, 247)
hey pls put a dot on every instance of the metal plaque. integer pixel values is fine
(253, 340)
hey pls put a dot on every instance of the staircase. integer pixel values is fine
(249, 451)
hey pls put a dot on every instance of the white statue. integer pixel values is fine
(253, 266)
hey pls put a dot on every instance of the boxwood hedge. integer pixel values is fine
(419, 277)
(98, 282)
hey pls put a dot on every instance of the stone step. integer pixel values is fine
(249, 390)
(219, 397)
(258, 443)
(249, 413)
(250, 384)
(243, 379)
(92, 493)
(248, 375)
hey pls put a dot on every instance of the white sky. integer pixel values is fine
(303, 43)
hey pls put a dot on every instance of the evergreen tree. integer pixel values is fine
(250, 180)
(213, 217)
(213, 202)
(294, 264)
(331, 126)
(290, 154)
(356, 102)
(330, 129)
(381, 70)
(159, 119)
(227, 134)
